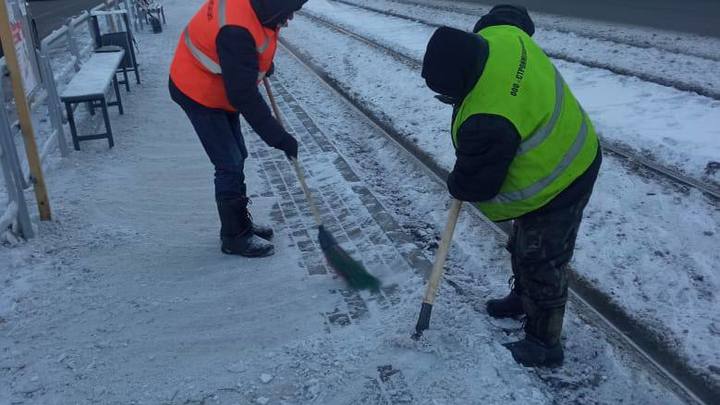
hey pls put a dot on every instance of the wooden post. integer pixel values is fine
(8, 45)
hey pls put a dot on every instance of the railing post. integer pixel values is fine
(53, 101)
(131, 14)
(110, 18)
(72, 44)
(13, 181)
(11, 154)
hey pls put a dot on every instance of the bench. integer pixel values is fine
(90, 86)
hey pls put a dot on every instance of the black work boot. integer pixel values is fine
(508, 307)
(261, 230)
(532, 352)
(543, 328)
(236, 230)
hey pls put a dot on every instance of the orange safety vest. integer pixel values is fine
(195, 69)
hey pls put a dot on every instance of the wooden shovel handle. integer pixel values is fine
(439, 266)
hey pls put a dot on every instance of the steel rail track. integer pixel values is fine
(647, 347)
(608, 147)
(636, 44)
(657, 79)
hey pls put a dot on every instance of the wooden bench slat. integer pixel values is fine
(94, 77)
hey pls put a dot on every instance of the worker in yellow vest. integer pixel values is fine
(224, 52)
(526, 151)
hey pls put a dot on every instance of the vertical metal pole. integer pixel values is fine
(7, 170)
(72, 44)
(28, 34)
(131, 14)
(11, 154)
(12, 181)
(53, 101)
(110, 19)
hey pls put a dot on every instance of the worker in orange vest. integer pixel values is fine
(223, 54)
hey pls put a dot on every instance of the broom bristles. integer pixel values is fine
(348, 268)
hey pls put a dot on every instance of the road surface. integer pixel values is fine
(693, 16)
(51, 14)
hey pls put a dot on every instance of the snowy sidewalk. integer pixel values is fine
(126, 298)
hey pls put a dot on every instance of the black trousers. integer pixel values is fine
(221, 137)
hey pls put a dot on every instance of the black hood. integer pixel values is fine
(454, 61)
(272, 13)
(507, 15)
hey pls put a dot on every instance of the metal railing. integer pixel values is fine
(70, 45)
(14, 220)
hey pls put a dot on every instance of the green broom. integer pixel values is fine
(348, 268)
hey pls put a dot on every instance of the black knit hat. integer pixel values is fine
(506, 14)
(454, 61)
(274, 12)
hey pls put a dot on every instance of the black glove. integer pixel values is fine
(288, 145)
(453, 188)
(271, 70)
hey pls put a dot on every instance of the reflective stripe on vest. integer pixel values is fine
(538, 187)
(540, 135)
(203, 59)
(206, 61)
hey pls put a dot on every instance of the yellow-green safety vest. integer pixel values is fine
(558, 141)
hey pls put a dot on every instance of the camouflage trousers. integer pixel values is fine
(542, 245)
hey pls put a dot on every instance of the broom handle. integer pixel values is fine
(301, 177)
(296, 165)
(439, 266)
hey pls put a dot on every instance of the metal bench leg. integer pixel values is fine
(137, 72)
(125, 78)
(73, 128)
(106, 117)
(117, 95)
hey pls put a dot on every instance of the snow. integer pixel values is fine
(690, 60)
(634, 229)
(642, 37)
(95, 75)
(675, 128)
(125, 297)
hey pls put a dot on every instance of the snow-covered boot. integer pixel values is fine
(261, 230)
(543, 328)
(507, 307)
(236, 232)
